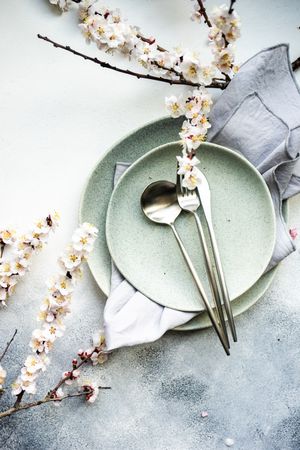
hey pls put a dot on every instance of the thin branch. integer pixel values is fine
(8, 345)
(19, 399)
(67, 377)
(52, 392)
(150, 41)
(231, 6)
(296, 64)
(15, 409)
(203, 13)
(105, 65)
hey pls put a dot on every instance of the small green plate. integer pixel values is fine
(147, 254)
(97, 193)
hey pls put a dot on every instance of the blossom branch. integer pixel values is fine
(8, 345)
(96, 355)
(203, 13)
(149, 41)
(23, 247)
(183, 81)
(15, 409)
(89, 356)
(54, 308)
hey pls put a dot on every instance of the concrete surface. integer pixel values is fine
(59, 112)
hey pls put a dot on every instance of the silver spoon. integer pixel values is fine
(159, 203)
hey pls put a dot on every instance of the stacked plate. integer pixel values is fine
(147, 255)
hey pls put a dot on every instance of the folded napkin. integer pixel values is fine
(258, 115)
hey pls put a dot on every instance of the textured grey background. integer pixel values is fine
(59, 112)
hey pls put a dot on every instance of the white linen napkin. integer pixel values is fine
(258, 115)
(130, 317)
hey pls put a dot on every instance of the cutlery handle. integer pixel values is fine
(222, 281)
(201, 289)
(211, 276)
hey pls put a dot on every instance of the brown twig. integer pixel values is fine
(105, 65)
(8, 344)
(15, 409)
(231, 6)
(51, 396)
(151, 41)
(19, 399)
(67, 377)
(53, 391)
(203, 13)
(296, 64)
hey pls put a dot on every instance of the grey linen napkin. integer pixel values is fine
(258, 115)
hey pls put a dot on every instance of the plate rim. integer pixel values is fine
(209, 144)
(94, 169)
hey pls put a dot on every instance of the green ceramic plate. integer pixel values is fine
(97, 194)
(148, 255)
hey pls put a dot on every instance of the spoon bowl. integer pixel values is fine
(159, 202)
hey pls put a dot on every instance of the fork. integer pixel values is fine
(189, 201)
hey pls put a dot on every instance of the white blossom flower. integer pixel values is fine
(2, 377)
(71, 259)
(53, 330)
(84, 237)
(216, 37)
(29, 386)
(191, 135)
(73, 375)
(190, 66)
(98, 353)
(64, 5)
(61, 284)
(196, 15)
(206, 74)
(6, 268)
(40, 343)
(34, 364)
(59, 393)
(186, 164)
(18, 268)
(225, 59)
(202, 124)
(91, 390)
(83, 8)
(192, 178)
(168, 60)
(27, 376)
(98, 338)
(16, 387)
(7, 236)
(206, 102)
(174, 106)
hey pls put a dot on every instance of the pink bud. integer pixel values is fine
(293, 233)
